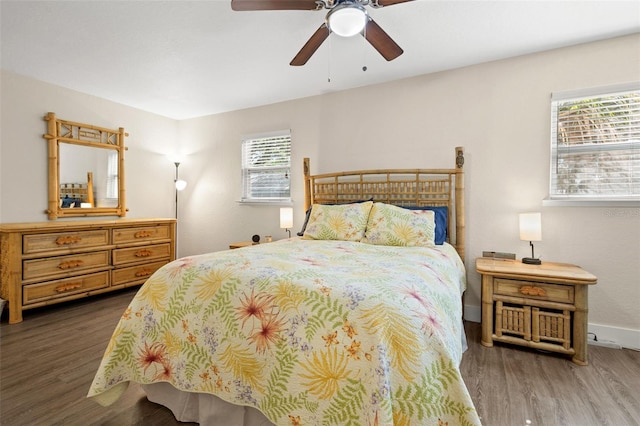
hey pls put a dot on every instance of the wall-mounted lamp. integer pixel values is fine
(531, 230)
(286, 219)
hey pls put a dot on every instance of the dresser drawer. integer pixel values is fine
(534, 290)
(141, 234)
(35, 293)
(38, 243)
(51, 267)
(138, 273)
(141, 254)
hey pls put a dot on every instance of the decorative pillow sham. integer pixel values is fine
(441, 217)
(346, 222)
(308, 213)
(395, 226)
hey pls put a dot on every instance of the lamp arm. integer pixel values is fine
(532, 255)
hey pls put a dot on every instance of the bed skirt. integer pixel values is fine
(202, 408)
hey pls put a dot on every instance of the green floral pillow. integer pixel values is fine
(346, 222)
(394, 226)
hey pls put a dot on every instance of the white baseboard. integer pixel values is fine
(624, 337)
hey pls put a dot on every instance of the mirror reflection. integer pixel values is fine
(88, 176)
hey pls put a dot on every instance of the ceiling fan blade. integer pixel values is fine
(391, 2)
(311, 46)
(246, 5)
(381, 41)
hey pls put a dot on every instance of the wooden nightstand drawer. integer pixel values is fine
(534, 290)
(34, 293)
(141, 254)
(64, 241)
(52, 267)
(141, 234)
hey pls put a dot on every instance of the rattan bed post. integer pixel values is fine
(460, 201)
(307, 183)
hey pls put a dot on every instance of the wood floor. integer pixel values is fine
(48, 361)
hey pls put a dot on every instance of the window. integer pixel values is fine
(595, 144)
(266, 167)
(112, 175)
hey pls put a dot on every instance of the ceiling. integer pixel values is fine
(184, 59)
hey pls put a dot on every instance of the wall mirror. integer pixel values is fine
(86, 169)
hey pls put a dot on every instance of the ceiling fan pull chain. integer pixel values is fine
(329, 61)
(364, 48)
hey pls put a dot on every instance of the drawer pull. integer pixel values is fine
(531, 290)
(68, 287)
(143, 272)
(69, 264)
(63, 241)
(142, 234)
(144, 253)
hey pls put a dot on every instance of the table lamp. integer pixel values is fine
(286, 219)
(531, 230)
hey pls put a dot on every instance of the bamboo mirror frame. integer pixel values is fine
(87, 139)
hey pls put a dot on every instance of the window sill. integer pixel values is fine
(590, 203)
(287, 203)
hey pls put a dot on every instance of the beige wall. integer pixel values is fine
(23, 151)
(498, 111)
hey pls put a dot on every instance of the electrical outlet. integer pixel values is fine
(499, 255)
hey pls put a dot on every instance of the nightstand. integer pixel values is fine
(538, 306)
(242, 244)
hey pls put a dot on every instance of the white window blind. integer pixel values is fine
(266, 167)
(595, 144)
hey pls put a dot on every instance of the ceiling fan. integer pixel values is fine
(345, 18)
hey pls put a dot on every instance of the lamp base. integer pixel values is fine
(531, 261)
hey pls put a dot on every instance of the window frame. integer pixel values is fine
(247, 195)
(611, 199)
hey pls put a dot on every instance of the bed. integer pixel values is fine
(358, 321)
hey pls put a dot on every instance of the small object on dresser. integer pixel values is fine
(256, 239)
(267, 238)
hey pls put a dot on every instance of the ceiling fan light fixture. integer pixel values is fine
(347, 19)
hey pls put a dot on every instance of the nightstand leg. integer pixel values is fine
(487, 311)
(580, 325)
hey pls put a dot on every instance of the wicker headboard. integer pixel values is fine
(402, 187)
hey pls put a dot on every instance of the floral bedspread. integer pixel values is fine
(307, 332)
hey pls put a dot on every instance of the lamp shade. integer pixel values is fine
(531, 226)
(347, 20)
(286, 217)
(181, 184)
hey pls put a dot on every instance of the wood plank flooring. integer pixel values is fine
(48, 361)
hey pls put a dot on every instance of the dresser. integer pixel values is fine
(539, 306)
(52, 262)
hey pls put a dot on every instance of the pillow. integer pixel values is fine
(346, 222)
(308, 213)
(395, 226)
(442, 218)
(68, 202)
